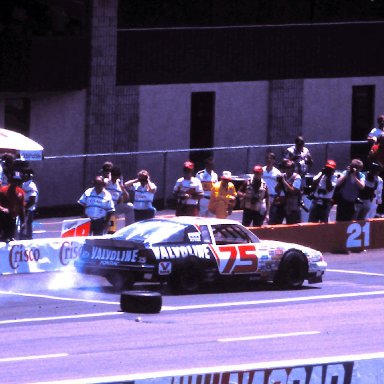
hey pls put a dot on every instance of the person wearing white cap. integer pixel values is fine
(208, 177)
(223, 196)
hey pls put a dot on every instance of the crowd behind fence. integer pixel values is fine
(70, 174)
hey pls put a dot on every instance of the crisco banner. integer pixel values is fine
(40, 255)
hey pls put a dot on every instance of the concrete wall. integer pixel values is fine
(58, 123)
(157, 118)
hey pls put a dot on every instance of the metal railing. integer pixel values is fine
(165, 166)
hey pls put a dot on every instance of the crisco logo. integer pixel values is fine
(19, 254)
(69, 251)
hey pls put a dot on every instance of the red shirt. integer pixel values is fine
(13, 199)
(377, 153)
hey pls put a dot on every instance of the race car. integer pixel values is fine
(187, 252)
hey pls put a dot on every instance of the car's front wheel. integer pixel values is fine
(187, 277)
(292, 271)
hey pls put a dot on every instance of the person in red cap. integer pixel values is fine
(377, 131)
(322, 186)
(188, 191)
(254, 199)
(223, 196)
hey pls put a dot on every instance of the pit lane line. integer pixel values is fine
(356, 272)
(178, 308)
(36, 357)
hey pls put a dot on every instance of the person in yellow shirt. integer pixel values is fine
(223, 196)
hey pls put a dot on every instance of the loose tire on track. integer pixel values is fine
(140, 301)
(292, 271)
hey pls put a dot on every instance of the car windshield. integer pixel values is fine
(153, 232)
(233, 234)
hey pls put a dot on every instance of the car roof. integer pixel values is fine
(196, 220)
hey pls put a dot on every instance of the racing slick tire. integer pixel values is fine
(292, 271)
(140, 301)
(120, 281)
(187, 277)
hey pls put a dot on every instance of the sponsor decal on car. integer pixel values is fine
(118, 255)
(236, 259)
(165, 267)
(194, 236)
(175, 252)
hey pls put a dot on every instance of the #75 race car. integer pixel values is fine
(187, 252)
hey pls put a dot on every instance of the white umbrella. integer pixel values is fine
(22, 146)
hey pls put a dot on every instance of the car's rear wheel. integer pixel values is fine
(292, 271)
(187, 277)
(140, 301)
(120, 280)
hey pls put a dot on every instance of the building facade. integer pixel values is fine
(107, 77)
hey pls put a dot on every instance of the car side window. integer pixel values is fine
(229, 234)
(205, 236)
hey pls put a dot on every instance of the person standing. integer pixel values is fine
(254, 199)
(106, 170)
(370, 195)
(323, 186)
(144, 192)
(374, 134)
(98, 206)
(188, 191)
(11, 207)
(288, 195)
(208, 178)
(6, 168)
(300, 155)
(270, 175)
(120, 196)
(223, 196)
(349, 184)
(31, 198)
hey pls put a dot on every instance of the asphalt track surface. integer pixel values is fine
(65, 326)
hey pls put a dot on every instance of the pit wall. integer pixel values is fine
(56, 254)
(334, 237)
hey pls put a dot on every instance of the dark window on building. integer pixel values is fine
(24, 19)
(186, 13)
(363, 100)
(17, 112)
(202, 124)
